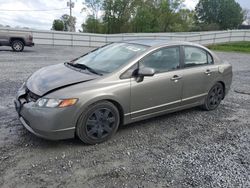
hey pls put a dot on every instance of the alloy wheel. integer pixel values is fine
(215, 96)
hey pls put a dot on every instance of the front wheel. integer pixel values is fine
(98, 123)
(17, 45)
(214, 97)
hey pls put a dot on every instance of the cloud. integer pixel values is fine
(37, 19)
(245, 4)
(190, 4)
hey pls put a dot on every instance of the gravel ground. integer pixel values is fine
(191, 148)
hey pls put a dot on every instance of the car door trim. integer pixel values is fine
(154, 107)
(194, 97)
(174, 109)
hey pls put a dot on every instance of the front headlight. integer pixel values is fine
(55, 103)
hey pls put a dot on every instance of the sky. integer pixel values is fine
(43, 19)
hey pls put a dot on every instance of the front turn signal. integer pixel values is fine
(67, 102)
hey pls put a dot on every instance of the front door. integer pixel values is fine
(163, 90)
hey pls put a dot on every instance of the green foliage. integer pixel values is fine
(206, 27)
(69, 22)
(232, 47)
(117, 14)
(227, 14)
(166, 15)
(123, 16)
(185, 21)
(58, 25)
(92, 25)
(93, 6)
(145, 19)
(65, 23)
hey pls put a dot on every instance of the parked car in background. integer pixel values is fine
(120, 83)
(17, 40)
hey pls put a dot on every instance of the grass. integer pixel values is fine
(243, 47)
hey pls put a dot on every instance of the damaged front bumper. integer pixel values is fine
(48, 123)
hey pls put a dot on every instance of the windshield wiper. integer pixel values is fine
(84, 67)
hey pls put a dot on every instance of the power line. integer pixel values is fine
(5, 10)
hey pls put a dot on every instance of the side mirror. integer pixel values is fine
(144, 71)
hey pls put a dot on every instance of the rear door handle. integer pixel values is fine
(176, 78)
(208, 72)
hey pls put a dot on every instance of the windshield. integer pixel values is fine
(111, 57)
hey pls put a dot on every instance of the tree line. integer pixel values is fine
(126, 16)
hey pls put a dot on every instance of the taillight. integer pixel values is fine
(30, 37)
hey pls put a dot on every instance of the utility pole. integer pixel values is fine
(71, 21)
(71, 5)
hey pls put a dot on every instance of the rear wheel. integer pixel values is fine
(214, 97)
(98, 123)
(17, 45)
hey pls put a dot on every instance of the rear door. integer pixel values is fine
(199, 74)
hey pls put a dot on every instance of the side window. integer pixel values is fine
(163, 60)
(196, 56)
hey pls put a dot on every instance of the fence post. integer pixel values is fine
(89, 41)
(230, 38)
(53, 42)
(71, 35)
(214, 38)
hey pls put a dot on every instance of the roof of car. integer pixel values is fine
(158, 43)
(153, 43)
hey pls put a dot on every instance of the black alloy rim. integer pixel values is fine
(215, 97)
(100, 123)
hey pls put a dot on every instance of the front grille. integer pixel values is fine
(31, 97)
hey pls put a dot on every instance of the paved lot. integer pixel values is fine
(192, 148)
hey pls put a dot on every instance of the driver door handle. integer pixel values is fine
(176, 78)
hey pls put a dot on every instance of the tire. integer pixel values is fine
(98, 123)
(214, 97)
(17, 45)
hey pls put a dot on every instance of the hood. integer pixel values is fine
(54, 77)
